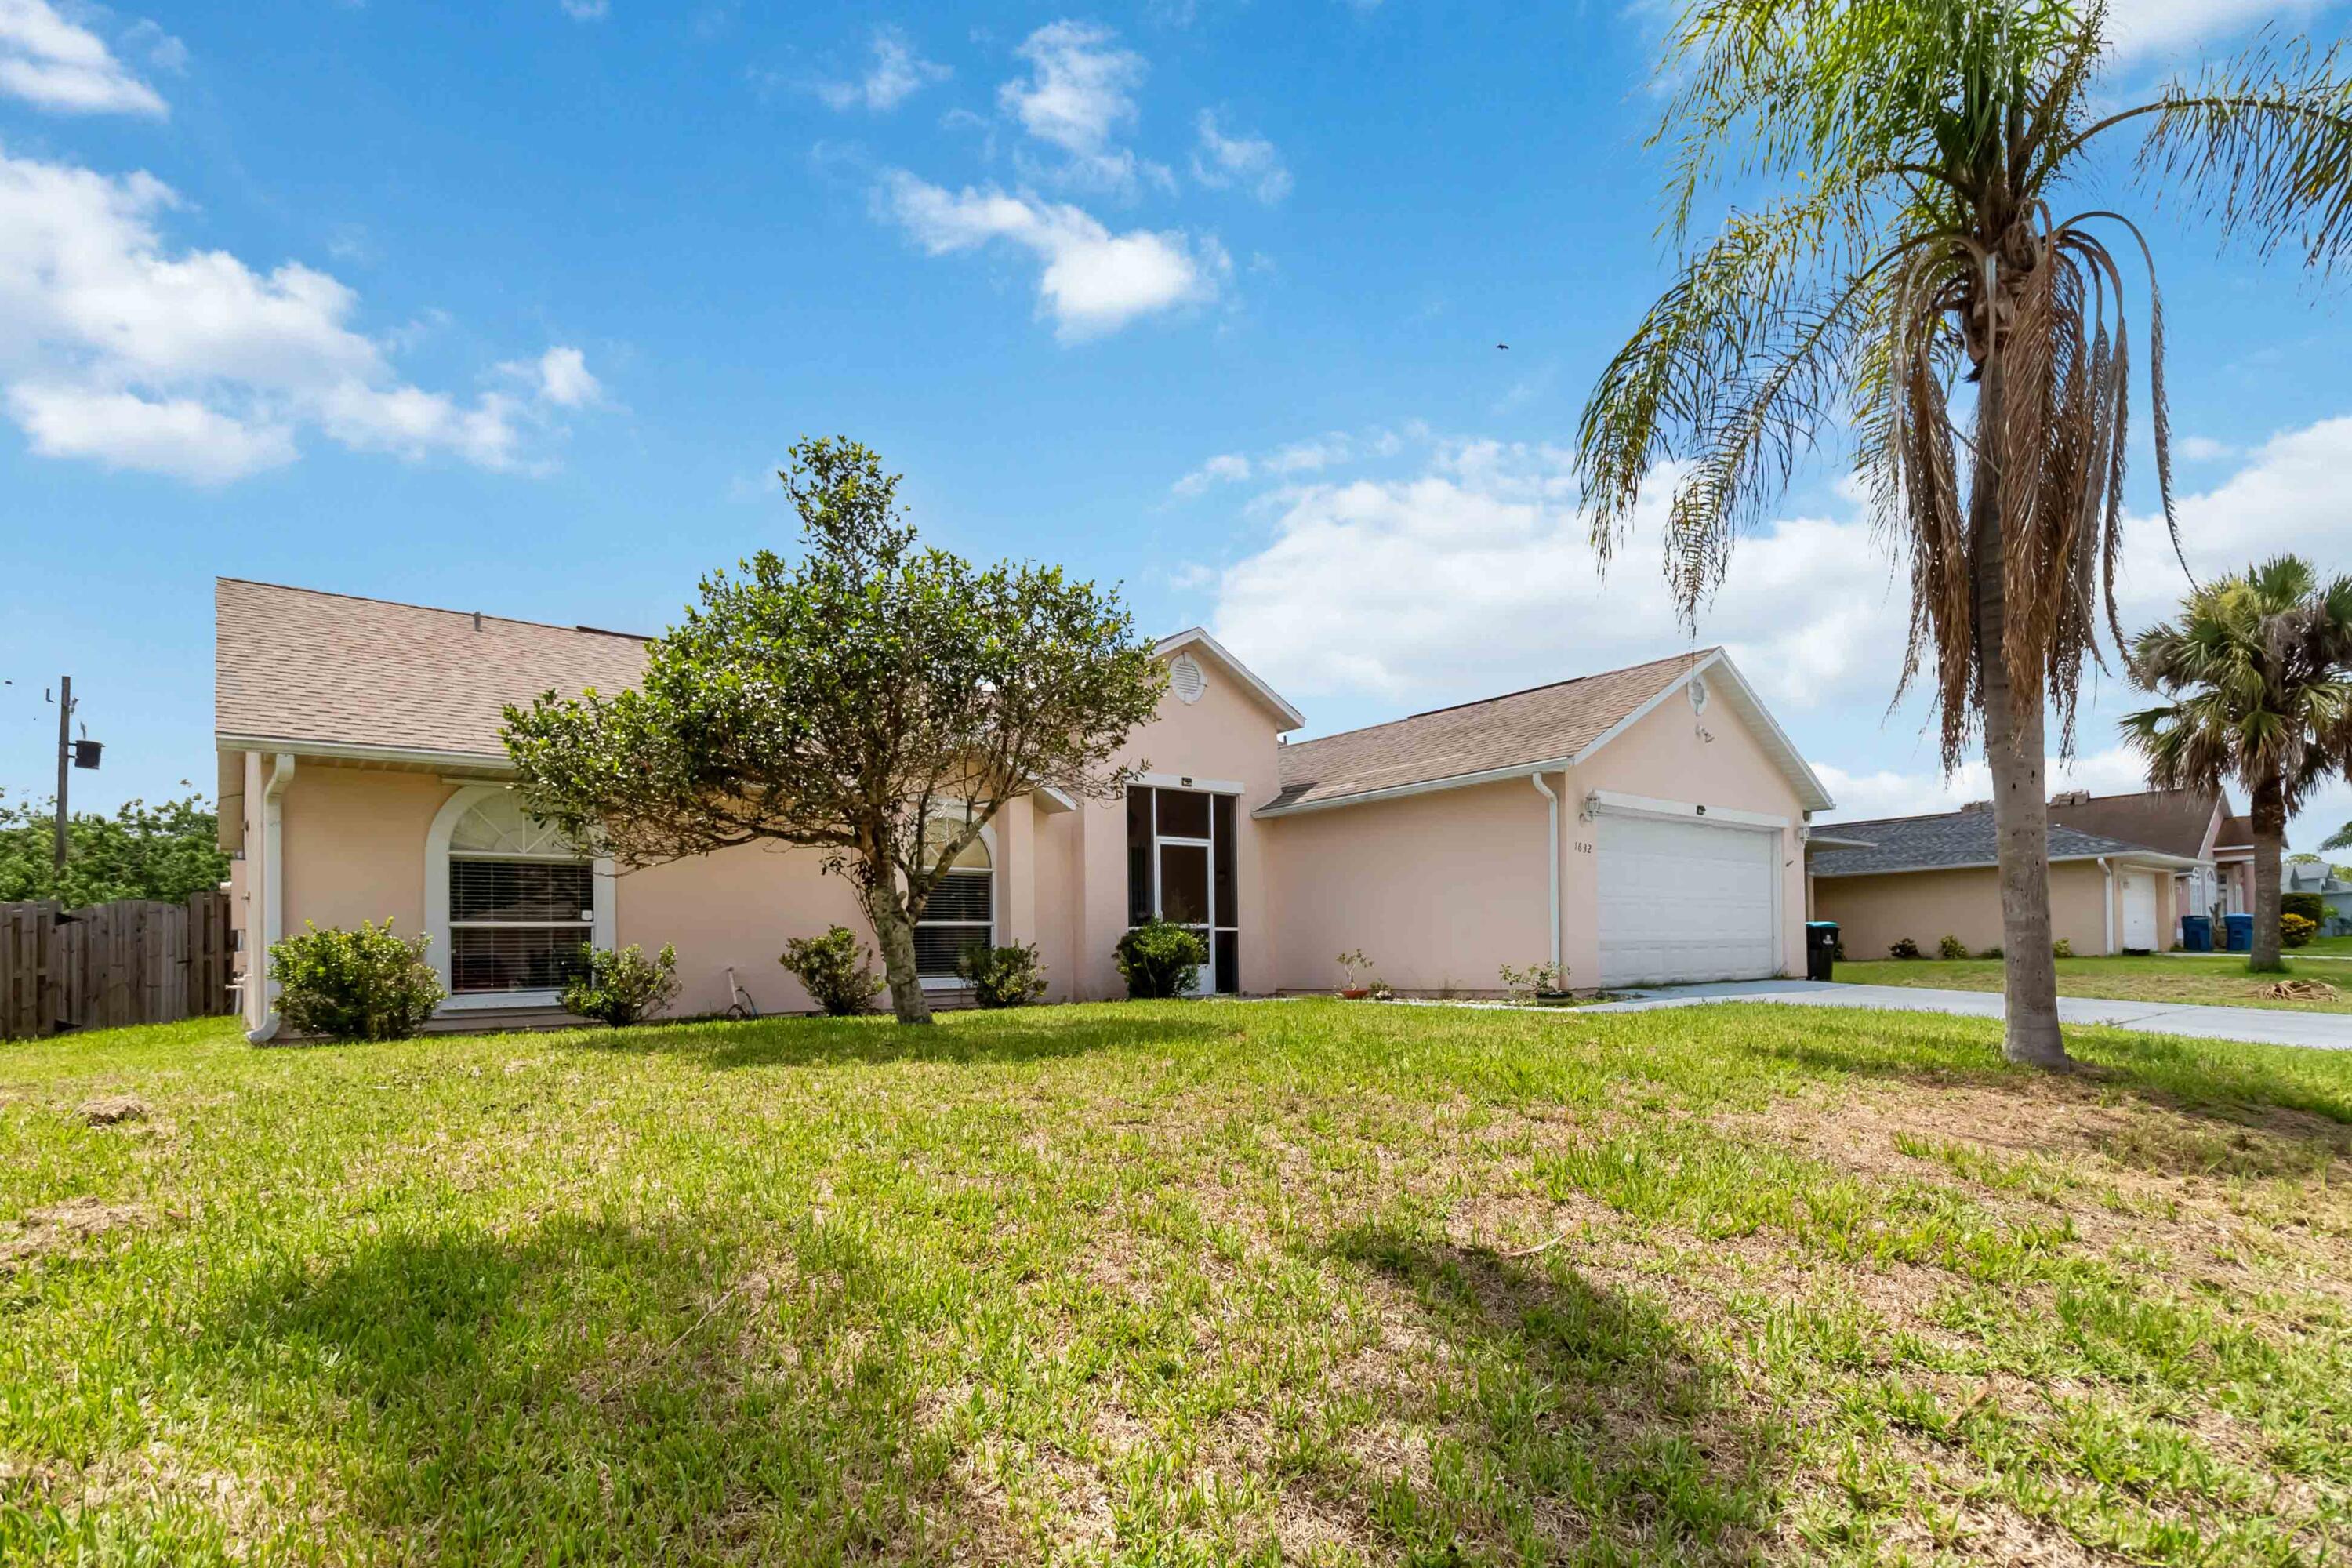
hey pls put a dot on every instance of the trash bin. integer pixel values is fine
(2197, 933)
(2241, 932)
(1821, 948)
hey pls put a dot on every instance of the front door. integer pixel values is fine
(1185, 899)
(2139, 910)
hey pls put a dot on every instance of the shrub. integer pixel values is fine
(2296, 931)
(2061, 948)
(1535, 980)
(364, 984)
(2310, 906)
(621, 987)
(1951, 947)
(1348, 963)
(835, 969)
(1906, 948)
(1002, 977)
(1993, 951)
(1161, 959)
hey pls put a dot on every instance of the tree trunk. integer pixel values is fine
(895, 934)
(2013, 752)
(2270, 839)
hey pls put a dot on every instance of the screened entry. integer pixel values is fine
(1180, 868)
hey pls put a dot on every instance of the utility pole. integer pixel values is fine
(64, 757)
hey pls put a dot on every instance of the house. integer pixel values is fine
(2196, 824)
(2333, 891)
(1643, 823)
(1927, 878)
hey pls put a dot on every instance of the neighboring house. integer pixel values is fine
(2193, 823)
(2334, 892)
(1644, 824)
(1927, 878)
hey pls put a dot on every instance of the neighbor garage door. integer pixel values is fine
(1684, 900)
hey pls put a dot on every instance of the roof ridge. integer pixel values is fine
(1504, 696)
(428, 609)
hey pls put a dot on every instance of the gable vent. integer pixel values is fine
(1185, 676)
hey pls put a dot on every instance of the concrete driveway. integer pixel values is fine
(2268, 1025)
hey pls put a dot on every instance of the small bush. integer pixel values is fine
(1158, 959)
(2310, 906)
(1951, 947)
(2061, 948)
(1535, 980)
(621, 987)
(364, 984)
(837, 970)
(1906, 948)
(1002, 977)
(2296, 931)
(1993, 951)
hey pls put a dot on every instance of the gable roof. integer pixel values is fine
(2237, 833)
(1955, 840)
(368, 676)
(1198, 637)
(2173, 820)
(1542, 729)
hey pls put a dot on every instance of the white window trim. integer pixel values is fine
(601, 929)
(1185, 781)
(995, 898)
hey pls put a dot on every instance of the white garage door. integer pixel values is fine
(1684, 901)
(2139, 910)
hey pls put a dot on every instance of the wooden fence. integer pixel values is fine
(137, 962)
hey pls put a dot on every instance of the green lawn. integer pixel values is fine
(1184, 1283)
(2222, 982)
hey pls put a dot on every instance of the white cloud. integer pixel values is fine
(1225, 468)
(179, 437)
(1250, 161)
(2155, 26)
(1308, 457)
(587, 10)
(116, 348)
(1882, 793)
(1079, 94)
(1093, 281)
(897, 74)
(2203, 449)
(55, 63)
(563, 377)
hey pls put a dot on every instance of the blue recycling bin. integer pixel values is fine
(2197, 933)
(2241, 933)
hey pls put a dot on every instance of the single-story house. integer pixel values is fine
(2196, 824)
(1641, 824)
(1927, 878)
(2333, 891)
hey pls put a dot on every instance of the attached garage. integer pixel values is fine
(1685, 899)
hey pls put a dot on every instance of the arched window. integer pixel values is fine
(511, 903)
(962, 909)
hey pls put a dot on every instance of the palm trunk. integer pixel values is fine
(894, 933)
(2013, 754)
(2270, 842)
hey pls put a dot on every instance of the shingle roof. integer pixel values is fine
(1547, 724)
(293, 664)
(2237, 833)
(2172, 820)
(1951, 841)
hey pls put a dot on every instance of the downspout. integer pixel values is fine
(1559, 969)
(2109, 871)
(273, 898)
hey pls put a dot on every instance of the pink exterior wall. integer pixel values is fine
(1873, 912)
(1435, 889)
(354, 844)
(1665, 756)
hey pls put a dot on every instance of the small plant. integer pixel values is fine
(1906, 948)
(1993, 951)
(1159, 960)
(837, 970)
(1951, 947)
(364, 984)
(1837, 953)
(1534, 980)
(2296, 931)
(1008, 976)
(2061, 948)
(2310, 906)
(621, 987)
(1381, 990)
(1348, 963)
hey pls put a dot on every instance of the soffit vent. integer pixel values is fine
(1185, 676)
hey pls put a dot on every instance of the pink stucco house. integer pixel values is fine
(1642, 825)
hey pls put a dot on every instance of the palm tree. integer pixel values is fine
(1920, 147)
(2255, 674)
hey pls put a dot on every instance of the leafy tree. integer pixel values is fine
(142, 851)
(873, 701)
(1909, 155)
(2255, 674)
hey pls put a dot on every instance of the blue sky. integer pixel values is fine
(514, 305)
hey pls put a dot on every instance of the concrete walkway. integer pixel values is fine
(2269, 1026)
